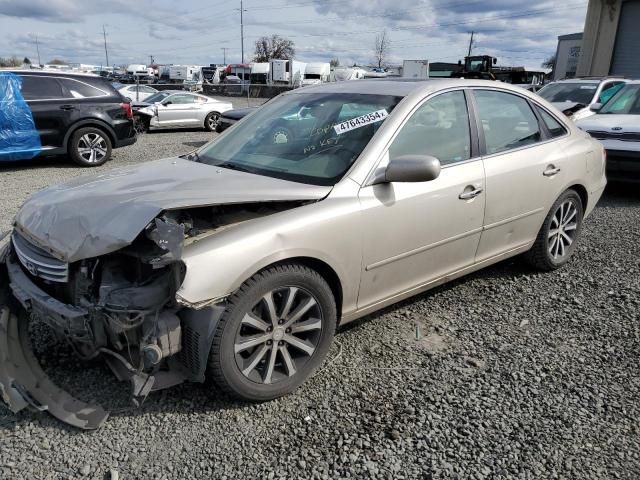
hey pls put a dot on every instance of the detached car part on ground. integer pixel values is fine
(240, 260)
(170, 109)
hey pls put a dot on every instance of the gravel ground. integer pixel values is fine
(514, 374)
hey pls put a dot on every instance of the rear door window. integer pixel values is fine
(41, 88)
(507, 121)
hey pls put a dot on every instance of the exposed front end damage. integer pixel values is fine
(121, 306)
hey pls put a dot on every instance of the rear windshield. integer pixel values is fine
(569, 92)
(625, 102)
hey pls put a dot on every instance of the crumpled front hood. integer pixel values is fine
(96, 215)
(607, 122)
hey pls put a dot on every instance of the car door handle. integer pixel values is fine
(67, 107)
(468, 195)
(551, 171)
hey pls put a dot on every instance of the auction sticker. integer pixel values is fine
(361, 121)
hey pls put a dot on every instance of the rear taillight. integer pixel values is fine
(126, 108)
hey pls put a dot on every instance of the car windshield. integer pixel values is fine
(625, 102)
(569, 92)
(303, 137)
(157, 97)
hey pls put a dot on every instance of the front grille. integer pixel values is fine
(38, 262)
(625, 137)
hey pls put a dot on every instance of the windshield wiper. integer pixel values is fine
(193, 156)
(235, 166)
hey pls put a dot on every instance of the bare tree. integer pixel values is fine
(277, 47)
(10, 62)
(57, 61)
(549, 63)
(382, 47)
(335, 62)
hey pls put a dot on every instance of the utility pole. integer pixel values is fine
(151, 60)
(471, 44)
(38, 50)
(224, 53)
(242, 10)
(106, 53)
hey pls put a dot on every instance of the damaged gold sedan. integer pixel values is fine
(238, 261)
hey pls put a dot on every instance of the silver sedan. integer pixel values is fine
(180, 110)
(240, 260)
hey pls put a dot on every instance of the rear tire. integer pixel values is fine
(211, 121)
(90, 147)
(556, 241)
(283, 350)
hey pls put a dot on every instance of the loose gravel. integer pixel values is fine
(507, 373)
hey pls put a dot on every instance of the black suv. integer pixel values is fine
(79, 115)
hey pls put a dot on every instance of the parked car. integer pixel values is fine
(180, 110)
(574, 97)
(532, 87)
(231, 117)
(617, 126)
(138, 93)
(61, 113)
(241, 259)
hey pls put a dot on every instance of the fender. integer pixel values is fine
(89, 122)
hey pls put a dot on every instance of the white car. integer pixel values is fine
(137, 93)
(617, 126)
(180, 109)
(574, 96)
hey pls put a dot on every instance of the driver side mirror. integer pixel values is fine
(168, 102)
(596, 107)
(409, 169)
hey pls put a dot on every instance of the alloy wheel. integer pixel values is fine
(213, 121)
(92, 147)
(562, 229)
(278, 335)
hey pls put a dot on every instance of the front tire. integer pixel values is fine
(90, 147)
(556, 241)
(276, 330)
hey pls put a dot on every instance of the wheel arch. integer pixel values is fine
(582, 193)
(325, 270)
(95, 123)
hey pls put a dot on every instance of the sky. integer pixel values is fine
(518, 32)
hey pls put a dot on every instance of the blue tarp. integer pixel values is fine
(19, 138)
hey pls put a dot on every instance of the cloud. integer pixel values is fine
(45, 10)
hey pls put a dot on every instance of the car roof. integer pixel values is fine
(588, 80)
(399, 86)
(54, 72)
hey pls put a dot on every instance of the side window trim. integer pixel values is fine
(478, 146)
(64, 89)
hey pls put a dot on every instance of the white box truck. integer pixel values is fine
(415, 69)
(286, 72)
(316, 73)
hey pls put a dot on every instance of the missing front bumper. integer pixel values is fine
(23, 383)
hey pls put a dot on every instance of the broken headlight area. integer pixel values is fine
(121, 306)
